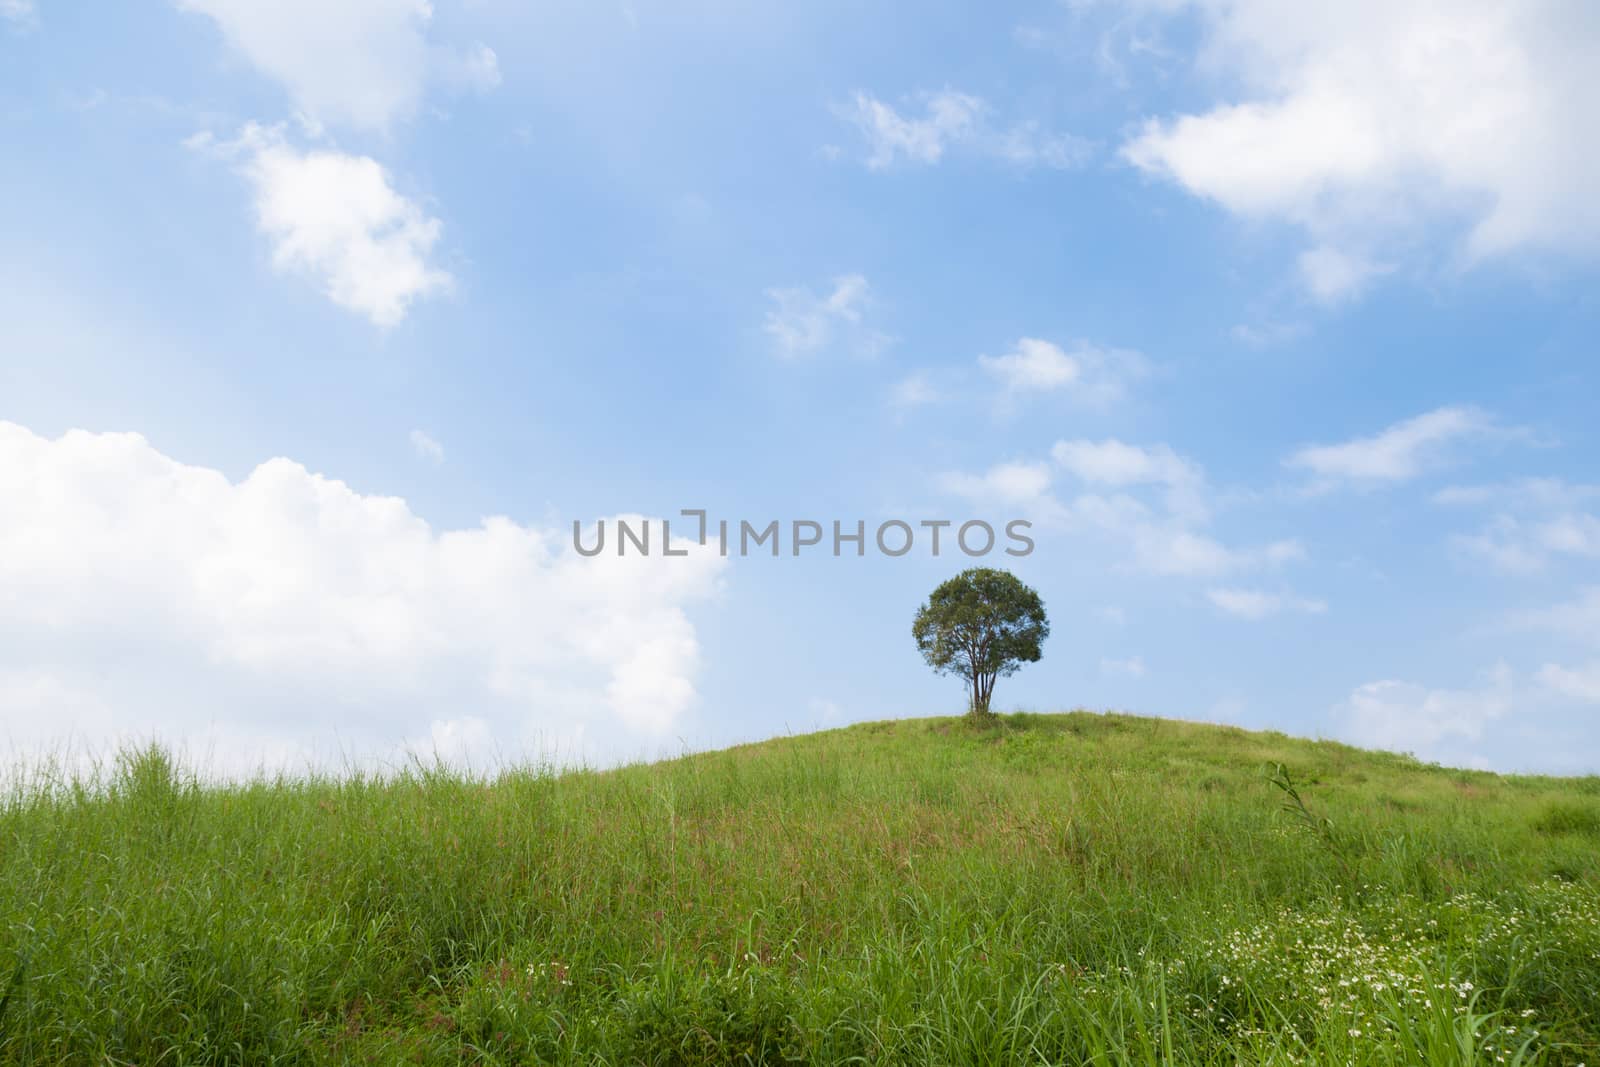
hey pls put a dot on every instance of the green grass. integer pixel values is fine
(1049, 889)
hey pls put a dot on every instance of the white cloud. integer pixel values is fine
(427, 449)
(21, 12)
(1027, 144)
(362, 63)
(1545, 493)
(1267, 334)
(1167, 547)
(1035, 365)
(477, 69)
(1577, 619)
(1371, 123)
(1132, 667)
(1397, 454)
(1333, 275)
(337, 219)
(1430, 723)
(1115, 464)
(915, 390)
(950, 116)
(1581, 684)
(801, 322)
(1537, 521)
(268, 616)
(951, 119)
(1095, 373)
(1009, 483)
(1154, 516)
(1519, 546)
(1257, 604)
(1111, 462)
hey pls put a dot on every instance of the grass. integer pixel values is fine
(1047, 889)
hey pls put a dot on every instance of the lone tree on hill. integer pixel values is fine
(979, 625)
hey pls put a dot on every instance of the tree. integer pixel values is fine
(980, 625)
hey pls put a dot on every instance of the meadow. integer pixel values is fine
(1061, 889)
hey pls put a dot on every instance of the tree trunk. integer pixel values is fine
(982, 689)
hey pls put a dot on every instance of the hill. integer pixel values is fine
(1049, 889)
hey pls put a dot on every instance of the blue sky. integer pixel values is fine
(1280, 331)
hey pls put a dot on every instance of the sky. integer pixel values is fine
(322, 324)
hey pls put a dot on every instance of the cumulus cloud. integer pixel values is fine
(1372, 123)
(336, 219)
(1150, 502)
(1008, 483)
(951, 120)
(801, 322)
(287, 614)
(1257, 604)
(1398, 454)
(1093, 372)
(1114, 464)
(1438, 724)
(363, 63)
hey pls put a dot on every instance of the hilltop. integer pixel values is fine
(1050, 888)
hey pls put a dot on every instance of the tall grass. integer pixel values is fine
(1051, 889)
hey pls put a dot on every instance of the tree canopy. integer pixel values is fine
(980, 625)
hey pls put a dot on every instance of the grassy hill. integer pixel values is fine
(1051, 889)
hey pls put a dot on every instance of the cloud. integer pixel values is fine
(1114, 464)
(1577, 619)
(1398, 454)
(950, 120)
(1430, 723)
(1008, 483)
(18, 12)
(477, 69)
(1548, 493)
(1267, 334)
(1095, 373)
(1132, 667)
(915, 390)
(802, 323)
(1168, 548)
(1256, 604)
(427, 449)
(1111, 462)
(1373, 124)
(362, 63)
(336, 219)
(1581, 684)
(1154, 514)
(1537, 520)
(268, 616)
(1519, 546)
(1333, 275)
